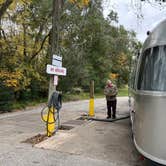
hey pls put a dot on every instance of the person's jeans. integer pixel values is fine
(111, 106)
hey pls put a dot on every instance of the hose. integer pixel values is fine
(47, 110)
(53, 107)
(109, 120)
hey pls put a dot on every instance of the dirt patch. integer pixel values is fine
(36, 139)
(41, 137)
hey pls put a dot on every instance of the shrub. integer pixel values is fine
(76, 90)
(6, 98)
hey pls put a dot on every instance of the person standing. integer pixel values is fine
(111, 92)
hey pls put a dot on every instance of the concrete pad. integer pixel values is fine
(87, 144)
(56, 141)
(105, 141)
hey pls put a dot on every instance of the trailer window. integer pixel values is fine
(152, 73)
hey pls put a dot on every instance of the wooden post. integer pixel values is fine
(92, 89)
(54, 40)
(91, 102)
(54, 50)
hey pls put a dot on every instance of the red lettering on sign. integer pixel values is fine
(59, 70)
(52, 69)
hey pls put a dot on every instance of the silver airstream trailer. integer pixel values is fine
(148, 97)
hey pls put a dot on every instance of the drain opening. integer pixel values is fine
(65, 127)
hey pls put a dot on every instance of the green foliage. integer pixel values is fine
(99, 46)
(123, 91)
(91, 47)
(6, 98)
(76, 90)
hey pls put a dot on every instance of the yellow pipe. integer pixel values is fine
(91, 107)
(51, 122)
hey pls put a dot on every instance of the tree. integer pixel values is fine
(22, 43)
(4, 6)
(91, 47)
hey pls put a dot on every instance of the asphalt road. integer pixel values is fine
(112, 144)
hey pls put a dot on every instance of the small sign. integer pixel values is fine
(55, 80)
(57, 61)
(59, 58)
(56, 70)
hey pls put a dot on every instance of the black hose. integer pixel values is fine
(48, 112)
(55, 103)
(109, 120)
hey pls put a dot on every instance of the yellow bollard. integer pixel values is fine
(91, 107)
(51, 122)
(91, 102)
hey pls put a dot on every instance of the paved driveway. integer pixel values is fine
(93, 143)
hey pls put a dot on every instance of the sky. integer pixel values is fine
(152, 14)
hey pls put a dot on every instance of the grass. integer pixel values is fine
(82, 96)
(66, 97)
(75, 97)
(123, 91)
(24, 104)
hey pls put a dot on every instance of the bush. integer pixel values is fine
(76, 90)
(6, 98)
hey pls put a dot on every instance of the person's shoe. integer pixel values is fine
(108, 117)
(114, 117)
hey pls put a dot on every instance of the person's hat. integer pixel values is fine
(109, 82)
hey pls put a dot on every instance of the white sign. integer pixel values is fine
(55, 80)
(56, 70)
(59, 58)
(57, 61)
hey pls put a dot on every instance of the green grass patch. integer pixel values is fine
(83, 96)
(65, 97)
(74, 97)
(123, 91)
(24, 104)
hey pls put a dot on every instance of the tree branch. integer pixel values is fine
(4, 7)
(38, 37)
(2, 33)
(41, 47)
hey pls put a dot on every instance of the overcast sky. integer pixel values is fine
(127, 9)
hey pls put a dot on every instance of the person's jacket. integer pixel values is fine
(110, 92)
